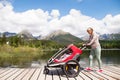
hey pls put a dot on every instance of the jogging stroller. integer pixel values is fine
(69, 64)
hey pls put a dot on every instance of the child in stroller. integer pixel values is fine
(65, 55)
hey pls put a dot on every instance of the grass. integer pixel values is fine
(20, 56)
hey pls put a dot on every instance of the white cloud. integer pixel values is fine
(112, 23)
(40, 22)
(55, 13)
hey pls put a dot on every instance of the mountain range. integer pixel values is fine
(62, 37)
(7, 34)
(115, 36)
(59, 36)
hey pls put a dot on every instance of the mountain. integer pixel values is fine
(8, 34)
(63, 37)
(113, 36)
(26, 35)
(0, 34)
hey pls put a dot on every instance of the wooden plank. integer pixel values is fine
(90, 75)
(84, 76)
(36, 74)
(70, 78)
(20, 76)
(98, 76)
(115, 68)
(41, 75)
(9, 74)
(79, 78)
(56, 76)
(105, 76)
(109, 73)
(49, 76)
(62, 75)
(15, 75)
(2, 70)
(116, 76)
(111, 70)
(29, 74)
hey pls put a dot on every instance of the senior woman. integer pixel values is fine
(95, 49)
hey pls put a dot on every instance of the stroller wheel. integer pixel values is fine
(71, 68)
(46, 70)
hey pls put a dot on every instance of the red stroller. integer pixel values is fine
(69, 64)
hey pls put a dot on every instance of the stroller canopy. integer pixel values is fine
(74, 52)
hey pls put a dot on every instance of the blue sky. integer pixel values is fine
(94, 8)
(41, 17)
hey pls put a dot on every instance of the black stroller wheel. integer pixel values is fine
(46, 70)
(71, 68)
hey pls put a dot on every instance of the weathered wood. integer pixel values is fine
(109, 73)
(15, 75)
(6, 73)
(98, 76)
(84, 76)
(112, 70)
(116, 76)
(79, 78)
(2, 70)
(62, 75)
(49, 76)
(90, 75)
(9, 74)
(56, 75)
(41, 75)
(20, 76)
(29, 74)
(36, 74)
(105, 76)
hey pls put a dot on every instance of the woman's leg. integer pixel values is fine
(98, 56)
(91, 58)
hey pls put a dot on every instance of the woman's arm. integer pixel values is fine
(93, 40)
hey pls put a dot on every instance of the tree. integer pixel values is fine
(3, 40)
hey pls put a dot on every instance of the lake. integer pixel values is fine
(109, 57)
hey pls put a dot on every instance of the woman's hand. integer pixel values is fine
(84, 44)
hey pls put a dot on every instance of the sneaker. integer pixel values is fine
(88, 69)
(100, 70)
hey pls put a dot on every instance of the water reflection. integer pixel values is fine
(109, 57)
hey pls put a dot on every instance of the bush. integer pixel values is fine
(19, 56)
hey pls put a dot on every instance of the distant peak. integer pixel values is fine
(59, 32)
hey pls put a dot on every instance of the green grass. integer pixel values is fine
(18, 56)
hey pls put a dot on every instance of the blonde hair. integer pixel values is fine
(90, 29)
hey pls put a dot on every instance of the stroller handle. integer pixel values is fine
(83, 47)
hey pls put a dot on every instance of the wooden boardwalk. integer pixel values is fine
(109, 73)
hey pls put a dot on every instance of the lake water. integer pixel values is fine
(109, 57)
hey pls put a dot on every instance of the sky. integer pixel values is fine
(41, 17)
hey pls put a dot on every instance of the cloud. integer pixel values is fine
(112, 23)
(55, 13)
(40, 22)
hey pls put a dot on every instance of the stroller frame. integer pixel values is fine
(70, 67)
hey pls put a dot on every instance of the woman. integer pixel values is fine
(95, 48)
